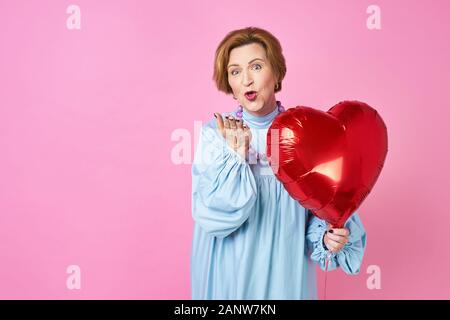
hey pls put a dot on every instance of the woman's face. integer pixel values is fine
(249, 70)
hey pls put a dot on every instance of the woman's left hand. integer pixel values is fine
(336, 239)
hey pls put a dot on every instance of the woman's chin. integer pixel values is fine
(254, 106)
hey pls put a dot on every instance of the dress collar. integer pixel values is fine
(260, 122)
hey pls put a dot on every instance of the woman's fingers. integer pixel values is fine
(220, 124)
(239, 124)
(236, 133)
(247, 131)
(244, 133)
(337, 238)
(232, 122)
(247, 135)
(226, 123)
(332, 245)
(236, 136)
(230, 135)
(240, 132)
(342, 232)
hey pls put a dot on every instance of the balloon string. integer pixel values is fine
(326, 273)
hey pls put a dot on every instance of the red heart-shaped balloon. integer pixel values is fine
(328, 161)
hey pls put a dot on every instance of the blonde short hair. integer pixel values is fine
(243, 37)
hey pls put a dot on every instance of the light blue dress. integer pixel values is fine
(251, 239)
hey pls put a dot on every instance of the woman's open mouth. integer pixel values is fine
(251, 95)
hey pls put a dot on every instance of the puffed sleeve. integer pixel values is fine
(350, 257)
(223, 186)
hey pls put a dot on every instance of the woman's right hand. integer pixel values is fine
(236, 133)
(335, 239)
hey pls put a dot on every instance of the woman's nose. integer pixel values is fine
(247, 79)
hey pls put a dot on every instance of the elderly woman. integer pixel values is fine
(251, 239)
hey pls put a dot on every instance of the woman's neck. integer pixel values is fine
(268, 108)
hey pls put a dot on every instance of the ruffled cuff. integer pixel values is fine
(320, 253)
(351, 255)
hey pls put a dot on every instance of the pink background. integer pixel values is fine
(86, 118)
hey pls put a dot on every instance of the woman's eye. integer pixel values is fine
(233, 71)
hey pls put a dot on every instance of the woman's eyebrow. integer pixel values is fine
(230, 65)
